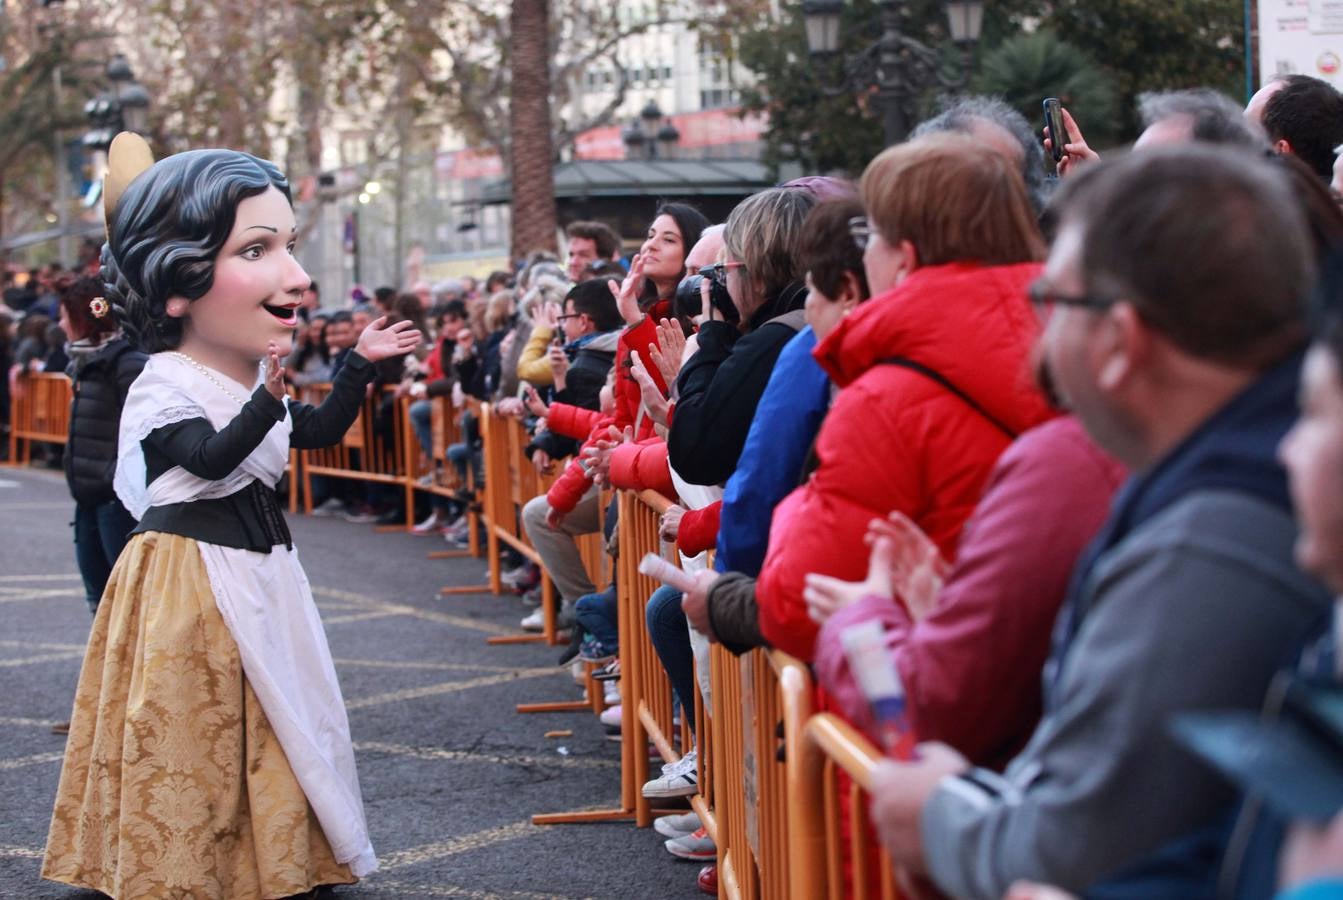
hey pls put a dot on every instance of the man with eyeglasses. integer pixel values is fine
(1173, 330)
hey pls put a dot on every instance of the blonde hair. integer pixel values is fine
(498, 309)
(762, 233)
(953, 201)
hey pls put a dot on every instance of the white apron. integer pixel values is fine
(263, 598)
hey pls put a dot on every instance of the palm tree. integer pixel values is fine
(1025, 69)
(531, 153)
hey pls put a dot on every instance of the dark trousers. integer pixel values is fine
(669, 633)
(596, 614)
(101, 531)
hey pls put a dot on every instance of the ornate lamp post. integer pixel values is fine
(896, 64)
(123, 107)
(651, 136)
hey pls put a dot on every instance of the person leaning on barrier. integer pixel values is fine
(719, 387)
(591, 328)
(1175, 333)
(782, 432)
(932, 371)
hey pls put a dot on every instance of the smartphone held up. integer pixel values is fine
(1057, 131)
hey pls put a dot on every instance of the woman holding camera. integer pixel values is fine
(721, 384)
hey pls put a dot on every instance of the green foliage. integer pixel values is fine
(823, 130)
(1026, 68)
(814, 118)
(1145, 45)
(34, 116)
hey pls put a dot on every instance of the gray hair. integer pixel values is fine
(539, 268)
(1209, 245)
(544, 287)
(960, 114)
(448, 289)
(1213, 117)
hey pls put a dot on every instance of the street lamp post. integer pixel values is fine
(896, 64)
(651, 135)
(123, 107)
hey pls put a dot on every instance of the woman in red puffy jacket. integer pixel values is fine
(933, 370)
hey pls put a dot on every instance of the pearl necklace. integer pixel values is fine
(210, 375)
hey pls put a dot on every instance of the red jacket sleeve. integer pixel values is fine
(569, 488)
(699, 529)
(572, 421)
(971, 670)
(643, 466)
(638, 337)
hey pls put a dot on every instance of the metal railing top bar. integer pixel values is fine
(844, 744)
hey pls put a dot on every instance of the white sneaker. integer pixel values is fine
(611, 692)
(686, 761)
(534, 622)
(331, 506)
(429, 525)
(678, 779)
(611, 716)
(677, 826)
(514, 577)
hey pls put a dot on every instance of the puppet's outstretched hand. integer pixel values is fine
(381, 341)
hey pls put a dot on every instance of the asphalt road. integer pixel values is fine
(450, 773)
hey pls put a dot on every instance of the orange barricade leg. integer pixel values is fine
(39, 411)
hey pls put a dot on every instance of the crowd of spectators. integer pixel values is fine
(1071, 439)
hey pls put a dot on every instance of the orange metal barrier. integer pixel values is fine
(510, 481)
(39, 411)
(767, 698)
(830, 745)
(365, 453)
(646, 696)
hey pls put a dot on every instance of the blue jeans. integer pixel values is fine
(462, 454)
(101, 531)
(421, 420)
(596, 614)
(669, 632)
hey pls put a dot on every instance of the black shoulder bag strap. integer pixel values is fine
(941, 379)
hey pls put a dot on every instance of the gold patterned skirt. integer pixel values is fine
(174, 784)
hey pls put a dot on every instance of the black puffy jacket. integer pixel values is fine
(101, 381)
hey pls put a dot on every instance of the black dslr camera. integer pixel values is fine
(689, 304)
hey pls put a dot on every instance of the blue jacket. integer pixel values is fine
(782, 431)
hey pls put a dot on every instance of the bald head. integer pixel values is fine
(706, 249)
(1254, 110)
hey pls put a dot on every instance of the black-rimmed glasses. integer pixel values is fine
(1045, 297)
